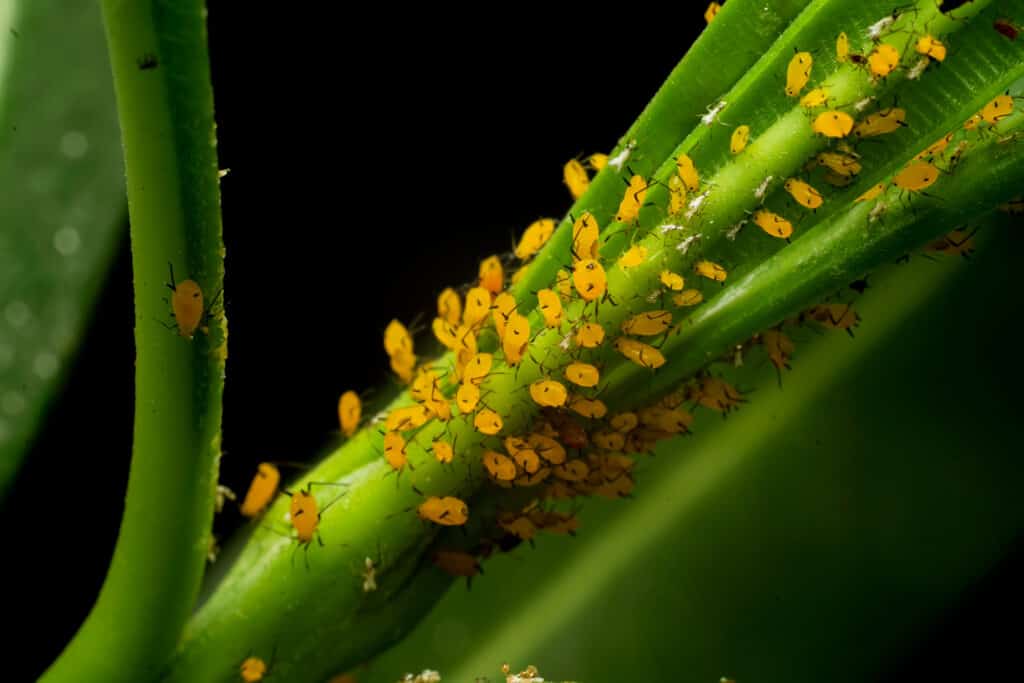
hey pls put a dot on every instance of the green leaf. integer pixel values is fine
(62, 205)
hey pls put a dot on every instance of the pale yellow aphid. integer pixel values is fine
(589, 279)
(803, 193)
(585, 236)
(478, 305)
(711, 271)
(871, 193)
(798, 73)
(488, 422)
(773, 224)
(350, 411)
(477, 368)
(927, 45)
(449, 306)
(590, 335)
(575, 178)
(883, 60)
(842, 48)
(583, 374)
(689, 297)
(588, 407)
(814, 98)
(833, 124)
(394, 451)
(443, 451)
(937, 147)
(597, 161)
(548, 393)
(397, 339)
(499, 466)
(492, 275)
(881, 122)
(916, 176)
(688, 172)
(973, 122)
(408, 417)
(536, 236)
(712, 11)
(624, 422)
(632, 201)
(516, 338)
(647, 324)
(642, 354)
(504, 305)
(467, 398)
(550, 307)
(673, 281)
(633, 256)
(841, 164)
(998, 109)
(738, 141)
(676, 195)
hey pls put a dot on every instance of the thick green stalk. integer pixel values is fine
(161, 75)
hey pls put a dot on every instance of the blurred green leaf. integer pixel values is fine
(803, 539)
(62, 204)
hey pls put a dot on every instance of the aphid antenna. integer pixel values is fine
(172, 285)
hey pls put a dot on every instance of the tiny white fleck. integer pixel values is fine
(684, 246)
(712, 113)
(915, 71)
(861, 105)
(17, 313)
(45, 365)
(763, 187)
(671, 227)
(654, 296)
(13, 403)
(876, 211)
(876, 29)
(696, 203)
(74, 144)
(564, 344)
(66, 241)
(619, 159)
(735, 230)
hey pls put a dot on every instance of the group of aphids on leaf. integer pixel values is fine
(574, 447)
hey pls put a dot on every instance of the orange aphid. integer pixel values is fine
(833, 124)
(477, 368)
(350, 411)
(467, 397)
(488, 422)
(492, 275)
(394, 451)
(304, 515)
(449, 306)
(262, 490)
(647, 324)
(689, 297)
(446, 511)
(881, 122)
(798, 73)
(589, 279)
(871, 193)
(535, 237)
(642, 354)
(624, 422)
(779, 348)
(773, 224)
(550, 307)
(583, 374)
(406, 418)
(187, 305)
(478, 305)
(668, 420)
(588, 407)
(916, 176)
(504, 305)
(547, 448)
(609, 441)
(590, 335)
(716, 394)
(711, 271)
(548, 393)
(834, 316)
(253, 669)
(803, 193)
(443, 451)
(516, 338)
(572, 470)
(499, 466)
(457, 563)
(585, 236)
(998, 109)
(633, 257)
(575, 178)
(688, 172)
(673, 281)
(397, 339)
(632, 201)
(883, 60)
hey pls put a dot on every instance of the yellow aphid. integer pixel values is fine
(779, 348)
(350, 411)
(402, 364)
(642, 354)
(633, 256)
(186, 305)
(688, 172)
(467, 398)
(647, 324)
(624, 422)
(803, 193)
(408, 417)
(550, 307)
(443, 451)
(973, 122)
(872, 192)
(996, 110)
(253, 669)
(676, 195)
(883, 60)
(519, 274)
(841, 164)
(588, 407)
(573, 470)
(738, 141)
(798, 73)
(673, 281)
(394, 450)
(504, 305)
(712, 11)
(397, 339)
(842, 48)
(711, 271)
(477, 368)
(590, 335)
(548, 393)
(449, 306)
(609, 441)
(426, 386)
(528, 461)
(535, 237)
(478, 305)
(881, 122)
(439, 408)
(447, 511)
(814, 98)
(589, 279)
(575, 178)
(916, 176)
(516, 338)
(445, 332)
(563, 284)
(465, 342)
(833, 124)
(585, 235)
(632, 201)
(499, 466)
(927, 45)
(492, 276)
(689, 297)
(773, 224)
(597, 161)
(262, 490)
(488, 422)
(937, 147)
(582, 374)
(547, 448)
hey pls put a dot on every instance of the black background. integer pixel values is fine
(364, 178)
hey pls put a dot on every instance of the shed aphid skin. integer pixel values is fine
(739, 139)
(642, 354)
(647, 324)
(803, 193)
(534, 238)
(575, 178)
(712, 115)
(583, 374)
(550, 306)
(548, 393)
(883, 60)
(632, 200)
(932, 47)
(712, 11)
(881, 122)
(711, 271)
(773, 224)
(814, 98)
(492, 275)
(597, 161)
(186, 304)
(350, 412)
(488, 422)
(590, 335)
(688, 172)
(622, 157)
(798, 73)
(261, 491)
(634, 256)
(445, 511)
(842, 48)
(672, 281)
(590, 279)
(833, 124)
(916, 176)
(253, 670)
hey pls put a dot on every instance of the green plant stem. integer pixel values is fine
(167, 127)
